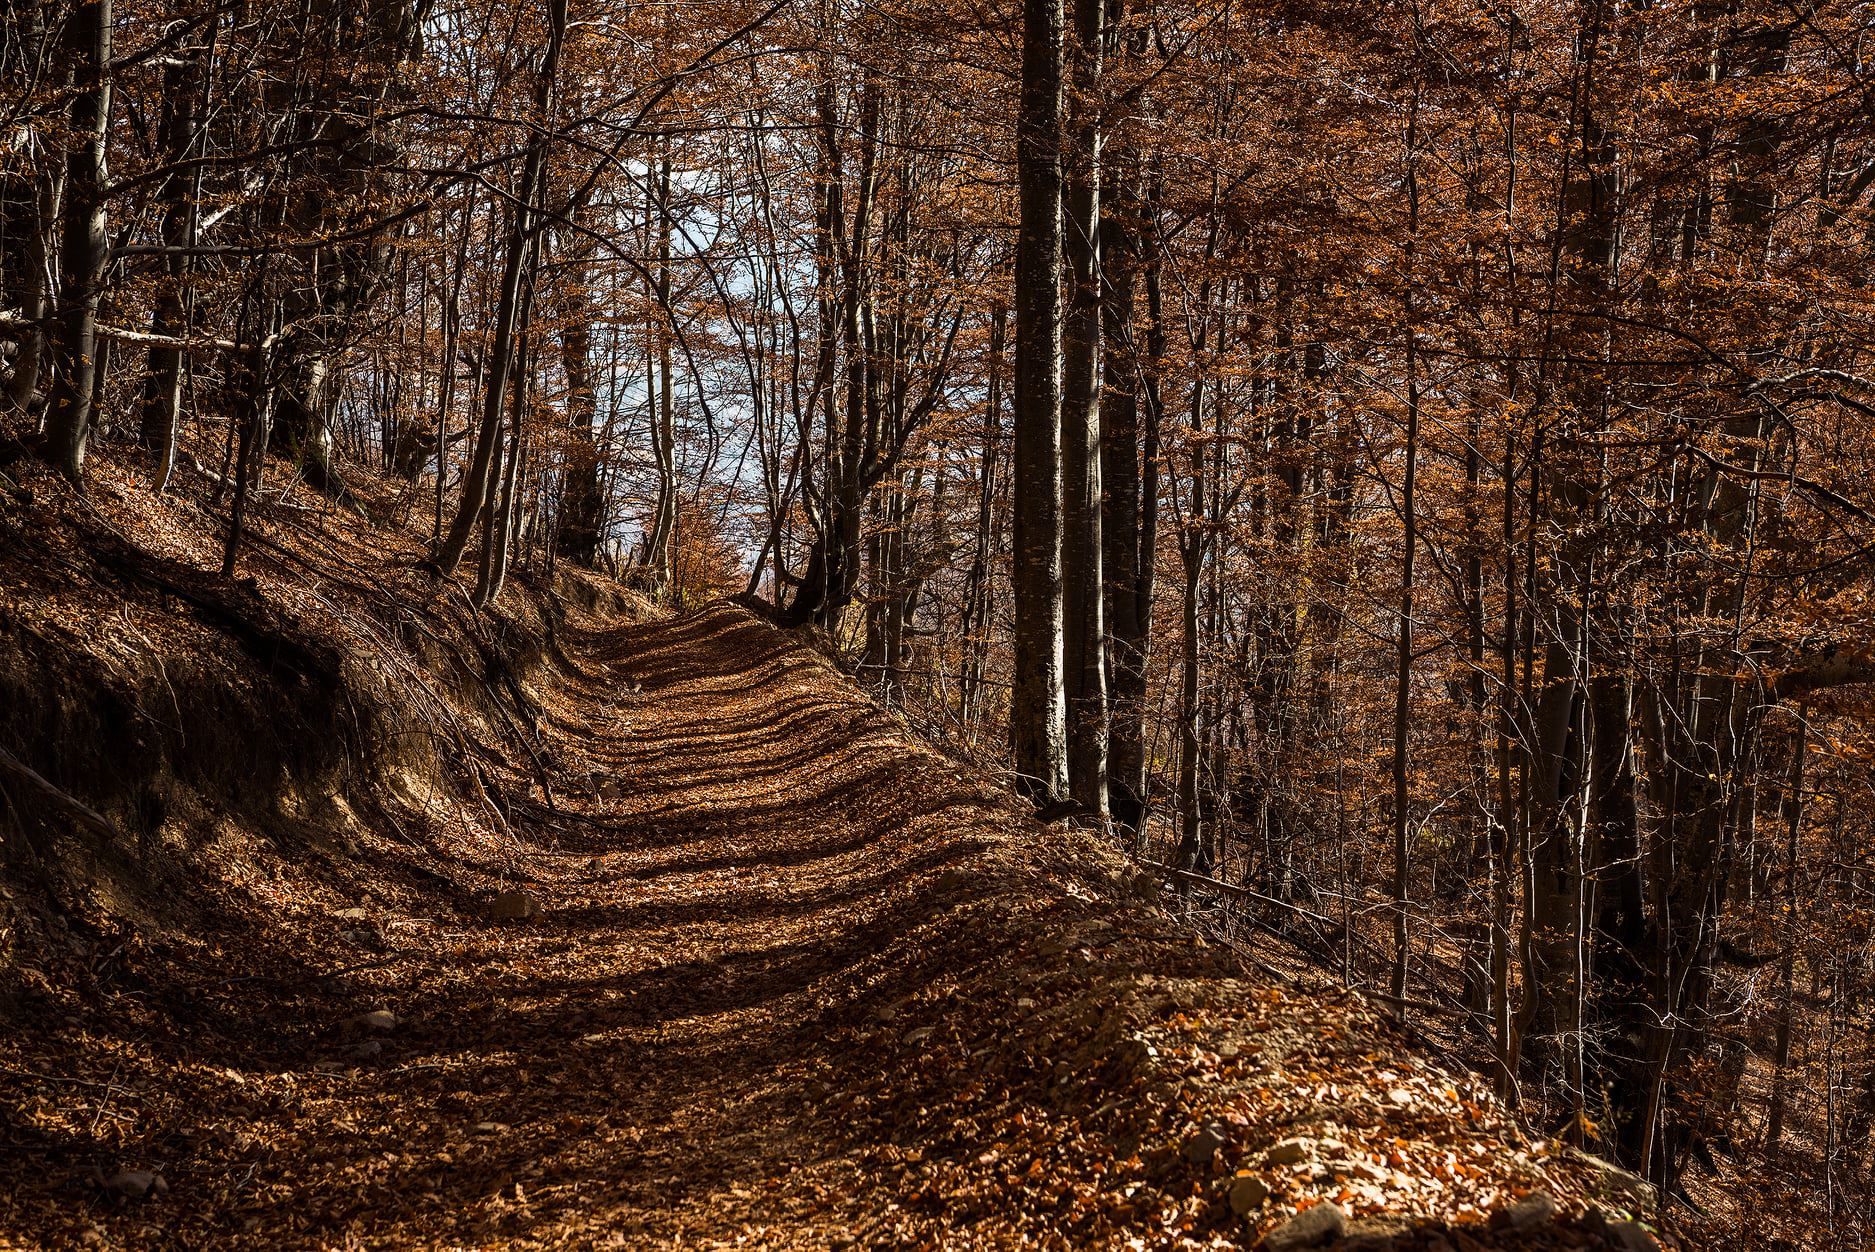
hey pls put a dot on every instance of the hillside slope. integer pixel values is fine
(665, 937)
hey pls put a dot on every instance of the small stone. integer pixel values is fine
(1307, 1229)
(1535, 1209)
(918, 1035)
(1204, 1145)
(1247, 1194)
(1228, 1051)
(885, 1014)
(364, 1051)
(491, 1128)
(1400, 1095)
(1364, 1170)
(1638, 1190)
(352, 914)
(1632, 1237)
(136, 1183)
(514, 906)
(952, 879)
(377, 1019)
(1289, 1152)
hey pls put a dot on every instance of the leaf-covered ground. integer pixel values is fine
(795, 980)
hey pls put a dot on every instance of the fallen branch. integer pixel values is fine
(84, 813)
(1185, 875)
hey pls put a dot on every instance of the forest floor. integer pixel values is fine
(791, 978)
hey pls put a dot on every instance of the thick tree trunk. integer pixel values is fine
(84, 251)
(582, 501)
(829, 230)
(347, 157)
(1124, 562)
(847, 488)
(1038, 708)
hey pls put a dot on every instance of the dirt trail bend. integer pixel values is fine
(797, 981)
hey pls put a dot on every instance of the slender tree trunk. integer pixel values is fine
(520, 255)
(977, 597)
(476, 479)
(1403, 666)
(503, 520)
(659, 545)
(1403, 687)
(582, 503)
(35, 256)
(1083, 625)
(1194, 851)
(1787, 966)
(162, 395)
(256, 423)
(452, 329)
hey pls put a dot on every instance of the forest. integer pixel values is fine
(1401, 472)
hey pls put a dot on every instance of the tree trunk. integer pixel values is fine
(35, 288)
(84, 251)
(256, 424)
(1787, 966)
(520, 254)
(1403, 688)
(1038, 709)
(1126, 562)
(977, 583)
(503, 520)
(1403, 661)
(162, 394)
(582, 502)
(1083, 628)
(1194, 846)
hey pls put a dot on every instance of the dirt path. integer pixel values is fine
(647, 1063)
(798, 982)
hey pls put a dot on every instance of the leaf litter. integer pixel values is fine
(752, 967)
